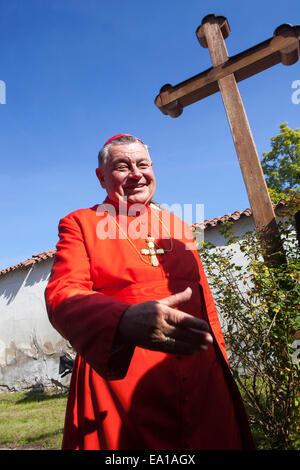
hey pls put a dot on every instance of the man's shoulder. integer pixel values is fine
(83, 213)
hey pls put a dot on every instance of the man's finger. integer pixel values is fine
(177, 299)
(193, 323)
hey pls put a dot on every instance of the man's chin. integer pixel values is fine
(139, 198)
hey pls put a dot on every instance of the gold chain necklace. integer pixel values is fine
(151, 250)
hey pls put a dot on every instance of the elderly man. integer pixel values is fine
(131, 297)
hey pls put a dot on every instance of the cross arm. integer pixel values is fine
(283, 47)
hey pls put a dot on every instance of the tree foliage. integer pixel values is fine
(281, 165)
(260, 308)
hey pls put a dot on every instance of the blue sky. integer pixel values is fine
(77, 73)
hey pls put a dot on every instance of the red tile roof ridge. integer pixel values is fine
(232, 216)
(29, 262)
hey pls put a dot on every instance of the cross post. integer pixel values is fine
(223, 77)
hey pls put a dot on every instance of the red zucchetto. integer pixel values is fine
(121, 135)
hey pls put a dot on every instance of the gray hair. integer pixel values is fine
(124, 139)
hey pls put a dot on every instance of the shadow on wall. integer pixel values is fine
(12, 282)
(11, 285)
(38, 273)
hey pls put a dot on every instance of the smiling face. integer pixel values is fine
(128, 173)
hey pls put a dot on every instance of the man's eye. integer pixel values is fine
(144, 165)
(121, 167)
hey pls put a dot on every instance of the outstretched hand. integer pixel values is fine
(157, 325)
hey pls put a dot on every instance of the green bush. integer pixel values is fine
(259, 307)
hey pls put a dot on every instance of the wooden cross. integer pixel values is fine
(223, 76)
(152, 251)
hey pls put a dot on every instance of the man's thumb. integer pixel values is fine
(177, 299)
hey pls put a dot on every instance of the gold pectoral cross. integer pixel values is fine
(152, 251)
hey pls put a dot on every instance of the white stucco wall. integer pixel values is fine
(213, 235)
(30, 348)
(241, 226)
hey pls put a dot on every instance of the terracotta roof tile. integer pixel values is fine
(220, 220)
(29, 262)
(231, 217)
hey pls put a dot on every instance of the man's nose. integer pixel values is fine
(134, 172)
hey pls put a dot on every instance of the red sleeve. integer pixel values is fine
(86, 318)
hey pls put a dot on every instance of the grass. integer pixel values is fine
(32, 420)
(35, 420)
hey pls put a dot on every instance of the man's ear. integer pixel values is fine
(100, 176)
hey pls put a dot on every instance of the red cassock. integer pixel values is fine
(123, 397)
